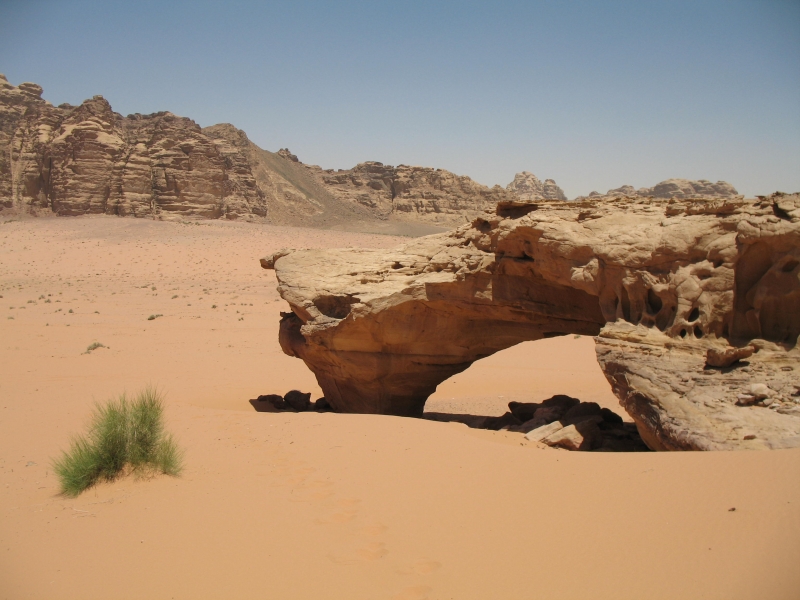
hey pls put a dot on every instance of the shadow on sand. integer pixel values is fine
(560, 421)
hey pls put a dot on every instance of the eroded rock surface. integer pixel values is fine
(678, 189)
(659, 282)
(87, 159)
(431, 195)
(528, 187)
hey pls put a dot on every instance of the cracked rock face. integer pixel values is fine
(87, 159)
(659, 282)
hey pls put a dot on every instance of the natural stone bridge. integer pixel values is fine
(659, 282)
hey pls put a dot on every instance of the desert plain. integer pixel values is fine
(326, 505)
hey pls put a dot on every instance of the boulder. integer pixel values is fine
(581, 411)
(274, 399)
(725, 357)
(523, 410)
(321, 405)
(610, 417)
(297, 400)
(578, 436)
(548, 414)
(538, 434)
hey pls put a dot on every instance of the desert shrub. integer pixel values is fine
(153, 317)
(94, 346)
(122, 433)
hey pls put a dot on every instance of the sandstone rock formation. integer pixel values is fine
(659, 282)
(423, 194)
(526, 186)
(672, 188)
(89, 159)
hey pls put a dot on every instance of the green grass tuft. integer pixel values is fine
(122, 433)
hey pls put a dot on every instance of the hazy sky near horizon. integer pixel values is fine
(592, 94)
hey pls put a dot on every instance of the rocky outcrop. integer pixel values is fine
(526, 186)
(659, 282)
(672, 188)
(423, 194)
(292, 193)
(89, 159)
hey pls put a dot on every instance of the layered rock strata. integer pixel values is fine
(659, 282)
(87, 159)
(411, 193)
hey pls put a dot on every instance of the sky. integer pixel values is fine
(592, 94)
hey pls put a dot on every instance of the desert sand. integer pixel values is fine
(281, 505)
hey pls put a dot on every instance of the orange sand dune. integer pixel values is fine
(277, 505)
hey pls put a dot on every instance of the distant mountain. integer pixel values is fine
(673, 188)
(528, 187)
(88, 159)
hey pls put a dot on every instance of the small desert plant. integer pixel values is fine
(94, 346)
(153, 317)
(122, 433)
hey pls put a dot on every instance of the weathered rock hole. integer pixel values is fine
(626, 305)
(511, 211)
(483, 225)
(780, 213)
(683, 333)
(665, 317)
(790, 265)
(698, 333)
(654, 303)
(397, 265)
(718, 263)
(694, 315)
(336, 307)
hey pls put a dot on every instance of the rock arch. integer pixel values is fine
(659, 283)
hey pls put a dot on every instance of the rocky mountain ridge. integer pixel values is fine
(671, 188)
(88, 159)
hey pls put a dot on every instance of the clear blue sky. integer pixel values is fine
(592, 94)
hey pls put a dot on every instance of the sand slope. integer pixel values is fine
(324, 505)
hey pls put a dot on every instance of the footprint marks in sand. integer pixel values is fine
(362, 542)
(421, 567)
